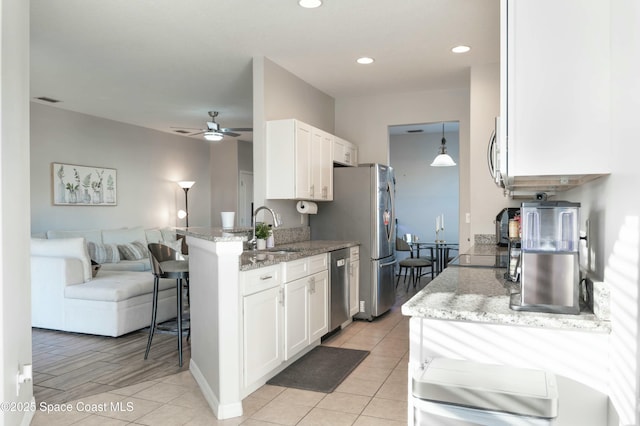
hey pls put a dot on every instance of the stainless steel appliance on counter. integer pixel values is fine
(363, 210)
(549, 265)
(338, 288)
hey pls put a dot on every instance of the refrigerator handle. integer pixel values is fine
(393, 262)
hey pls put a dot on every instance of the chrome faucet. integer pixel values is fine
(276, 222)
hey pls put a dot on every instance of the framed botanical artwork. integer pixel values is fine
(75, 185)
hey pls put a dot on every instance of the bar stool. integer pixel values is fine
(167, 263)
(414, 265)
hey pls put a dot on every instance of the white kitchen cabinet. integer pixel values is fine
(354, 280)
(298, 161)
(344, 152)
(296, 316)
(288, 154)
(262, 324)
(321, 165)
(318, 287)
(306, 302)
(555, 89)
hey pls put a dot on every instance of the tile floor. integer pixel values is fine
(375, 393)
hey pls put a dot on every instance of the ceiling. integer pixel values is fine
(165, 63)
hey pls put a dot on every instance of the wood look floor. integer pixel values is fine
(67, 366)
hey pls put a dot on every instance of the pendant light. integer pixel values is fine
(443, 159)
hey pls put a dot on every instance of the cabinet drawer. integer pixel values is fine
(295, 269)
(259, 279)
(318, 263)
(354, 253)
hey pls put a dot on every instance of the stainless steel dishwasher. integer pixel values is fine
(339, 288)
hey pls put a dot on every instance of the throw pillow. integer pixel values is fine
(103, 253)
(133, 251)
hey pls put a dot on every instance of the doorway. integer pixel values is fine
(424, 193)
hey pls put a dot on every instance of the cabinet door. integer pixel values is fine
(296, 317)
(555, 88)
(302, 164)
(262, 333)
(318, 287)
(354, 287)
(339, 146)
(326, 167)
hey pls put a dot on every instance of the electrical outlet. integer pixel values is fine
(467, 217)
(362, 306)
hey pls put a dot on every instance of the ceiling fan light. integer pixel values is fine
(213, 136)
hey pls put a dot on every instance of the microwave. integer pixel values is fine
(497, 155)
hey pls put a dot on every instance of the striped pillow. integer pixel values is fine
(103, 253)
(133, 251)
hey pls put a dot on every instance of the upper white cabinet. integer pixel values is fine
(555, 95)
(344, 152)
(298, 161)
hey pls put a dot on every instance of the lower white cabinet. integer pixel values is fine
(285, 308)
(306, 303)
(354, 280)
(262, 323)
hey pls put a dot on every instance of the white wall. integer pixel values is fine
(15, 293)
(424, 192)
(613, 206)
(148, 164)
(278, 94)
(365, 121)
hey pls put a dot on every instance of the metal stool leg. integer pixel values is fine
(179, 287)
(154, 312)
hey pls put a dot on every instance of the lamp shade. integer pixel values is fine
(443, 160)
(186, 184)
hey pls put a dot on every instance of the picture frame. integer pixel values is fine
(76, 185)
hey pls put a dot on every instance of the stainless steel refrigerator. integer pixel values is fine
(363, 210)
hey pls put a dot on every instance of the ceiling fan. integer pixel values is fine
(214, 132)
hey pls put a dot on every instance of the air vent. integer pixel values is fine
(415, 131)
(50, 100)
(182, 132)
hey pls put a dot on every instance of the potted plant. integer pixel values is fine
(262, 232)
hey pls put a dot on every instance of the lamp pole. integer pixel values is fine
(186, 185)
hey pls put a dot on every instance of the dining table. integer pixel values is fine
(440, 252)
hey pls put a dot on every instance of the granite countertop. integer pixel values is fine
(252, 259)
(482, 295)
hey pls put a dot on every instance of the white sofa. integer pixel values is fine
(65, 296)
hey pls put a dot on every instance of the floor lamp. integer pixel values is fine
(185, 185)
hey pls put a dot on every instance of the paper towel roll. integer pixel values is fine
(307, 207)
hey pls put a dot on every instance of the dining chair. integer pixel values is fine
(167, 263)
(411, 264)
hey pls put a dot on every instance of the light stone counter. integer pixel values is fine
(482, 295)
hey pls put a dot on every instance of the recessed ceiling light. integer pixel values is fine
(310, 4)
(461, 49)
(365, 60)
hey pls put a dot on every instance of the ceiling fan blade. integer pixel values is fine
(238, 129)
(198, 133)
(226, 132)
(184, 128)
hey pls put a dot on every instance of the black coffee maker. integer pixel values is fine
(502, 225)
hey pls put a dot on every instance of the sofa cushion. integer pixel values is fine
(168, 234)
(176, 245)
(94, 235)
(128, 265)
(124, 236)
(64, 247)
(115, 286)
(103, 253)
(136, 250)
